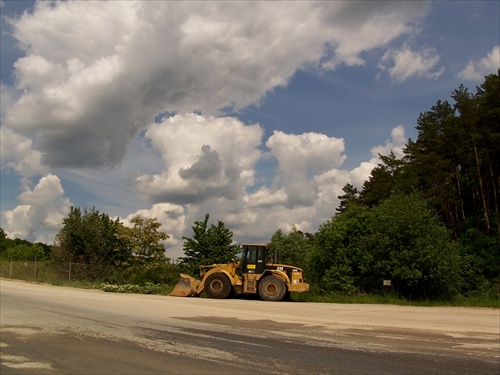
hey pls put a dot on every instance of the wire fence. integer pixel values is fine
(50, 272)
(69, 272)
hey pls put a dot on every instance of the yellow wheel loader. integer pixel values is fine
(255, 273)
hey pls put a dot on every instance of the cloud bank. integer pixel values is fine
(98, 78)
(95, 74)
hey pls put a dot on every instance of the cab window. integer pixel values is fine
(251, 254)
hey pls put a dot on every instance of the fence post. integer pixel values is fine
(10, 269)
(69, 271)
(34, 274)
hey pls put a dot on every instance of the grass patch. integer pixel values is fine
(42, 272)
(484, 300)
(29, 271)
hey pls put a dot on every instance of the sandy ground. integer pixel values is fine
(452, 333)
(449, 320)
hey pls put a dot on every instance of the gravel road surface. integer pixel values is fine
(60, 330)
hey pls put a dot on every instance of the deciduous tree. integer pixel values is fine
(209, 245)
(293, 248)
(143, 242)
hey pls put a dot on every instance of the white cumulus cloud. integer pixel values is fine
(477, 70)
(404, 63)
(300, 157)
(204, 157)
(395, 144)
(41, 209)
(17, 153)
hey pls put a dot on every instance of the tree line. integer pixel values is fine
(100, 249)
(428, 222)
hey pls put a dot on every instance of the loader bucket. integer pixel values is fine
(186, 287)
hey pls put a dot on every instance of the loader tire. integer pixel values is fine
(272, 288)
(218, 286)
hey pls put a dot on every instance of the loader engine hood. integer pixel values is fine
(293, 273)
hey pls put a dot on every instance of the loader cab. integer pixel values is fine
(254, 258)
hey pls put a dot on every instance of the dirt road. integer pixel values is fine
(58, 330)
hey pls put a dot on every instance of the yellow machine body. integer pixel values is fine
(254, 274)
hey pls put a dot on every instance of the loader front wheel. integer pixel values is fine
(218, 286)
(272, 288)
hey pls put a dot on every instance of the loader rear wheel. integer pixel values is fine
(218, 285)
(272, 288)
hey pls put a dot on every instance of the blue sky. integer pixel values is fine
(264, 110)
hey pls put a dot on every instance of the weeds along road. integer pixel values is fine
(59, 330)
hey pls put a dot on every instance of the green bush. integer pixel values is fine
(24, 252)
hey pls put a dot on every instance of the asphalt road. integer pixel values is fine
(58, 330)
